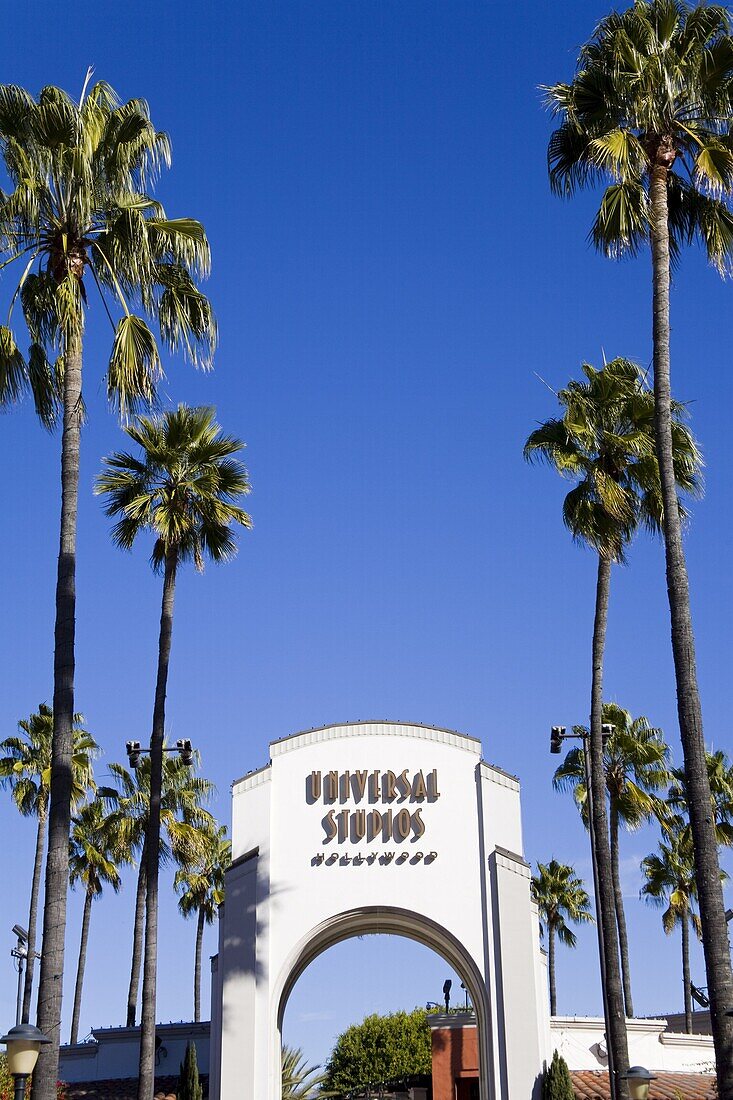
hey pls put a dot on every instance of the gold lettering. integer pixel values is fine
(374, 787)
(388, 788)
(343, 820)
(358, 780)
(315, 786)
(404, 784)
(402, 824)
(329, 826)
(387, 825)
(345, 792)
(374, 824)
(358, 825)
(331, 787)
(418, 824)
(433, 791)
(419, 790)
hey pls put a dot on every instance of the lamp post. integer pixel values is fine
(20, 952)
(639, 1080)
(23, 1043)
(558, 734)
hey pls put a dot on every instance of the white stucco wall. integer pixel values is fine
(114, 1052)
(581, 1041)
(462, 887)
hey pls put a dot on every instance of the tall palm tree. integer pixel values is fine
(95, 851)
(720, 780)
(670, 880)
(649, 116)
(25, 767)
(604, 443)
(184, 823)
(80, 213)
(560, 896)
(200, 883)
(635, 767)
(184, 490)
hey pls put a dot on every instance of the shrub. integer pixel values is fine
(189, 1086)
(557, 1084)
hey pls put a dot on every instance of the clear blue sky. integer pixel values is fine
(390, 274)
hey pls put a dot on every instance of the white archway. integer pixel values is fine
(395, 922)
(377, 827)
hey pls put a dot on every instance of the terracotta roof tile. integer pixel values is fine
(125, 1088)
(593, 1085)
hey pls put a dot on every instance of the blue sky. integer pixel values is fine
(390, 275)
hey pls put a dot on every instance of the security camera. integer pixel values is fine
(20, 933)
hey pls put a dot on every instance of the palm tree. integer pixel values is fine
(184, 491)
(299, 1080)
(720, 780)
(25, 767)
(184, 821)
(80, 174)
(559, 894)
(649, 115)
(95, 850)
(604, 442)
(635, 766)
(200, 882)
(670, 879)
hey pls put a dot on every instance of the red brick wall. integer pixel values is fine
(455, 1059)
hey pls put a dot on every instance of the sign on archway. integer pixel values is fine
(377, 827)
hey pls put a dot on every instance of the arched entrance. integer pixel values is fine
(395, 922)
(377, 827)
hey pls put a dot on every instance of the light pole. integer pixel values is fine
(639, 1080)
(558, 734)
(23, 1043)
(20, 952)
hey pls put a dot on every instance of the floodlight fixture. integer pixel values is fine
(557, 733)
(133, 753)
(185, 751)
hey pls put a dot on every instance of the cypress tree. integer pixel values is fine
(557, 1084)
(189, 1086)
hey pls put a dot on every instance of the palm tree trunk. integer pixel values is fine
(551, 967)
(623, 938)
(686, 971)
(197, 967)
(146, 1078)
(707, 867)
(137, 940)
(50, 988)
(615, 1020)
(33, 916)
(82, 963)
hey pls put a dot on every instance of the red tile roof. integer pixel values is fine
(125, 1088)
(593, 1085)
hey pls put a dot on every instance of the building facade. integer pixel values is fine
(377, 827)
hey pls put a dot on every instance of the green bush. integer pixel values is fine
(557, 1084)
(189, 1086)
(381, 1048)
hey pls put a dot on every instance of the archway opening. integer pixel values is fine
(361, 965)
